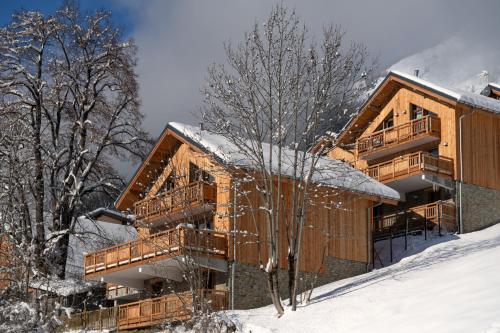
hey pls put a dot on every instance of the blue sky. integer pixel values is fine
(122, 15)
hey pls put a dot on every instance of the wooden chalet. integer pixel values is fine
(438, 147)
(182, 198)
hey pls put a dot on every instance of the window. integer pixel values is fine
(196, 174)
(387, 123)
(169, 183)
(418, 112)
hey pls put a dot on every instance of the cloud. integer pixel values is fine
(178, 39)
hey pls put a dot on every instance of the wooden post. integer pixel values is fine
(406, 231)
(425, 226)
(390, 240)
(373, 249)
(439, 211)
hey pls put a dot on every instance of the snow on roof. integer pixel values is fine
(476, 100)
(330, 172)
(494, 85)
(64, 287)
(91, 236)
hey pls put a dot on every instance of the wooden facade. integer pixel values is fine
(183, 200)
(387, 140)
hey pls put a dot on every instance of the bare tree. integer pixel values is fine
(68, 83)
(278, 93)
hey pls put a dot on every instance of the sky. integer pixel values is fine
(450, 41)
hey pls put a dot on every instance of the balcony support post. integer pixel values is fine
(390, 241)
(406, 231)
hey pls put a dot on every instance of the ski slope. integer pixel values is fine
(452, 286)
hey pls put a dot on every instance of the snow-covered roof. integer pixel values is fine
(494, 85)
(64, 287)
(115, 216)
(91, 235)
(330, 172)
(464, 97)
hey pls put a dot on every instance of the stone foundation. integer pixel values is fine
(251, 289)
(480, 207)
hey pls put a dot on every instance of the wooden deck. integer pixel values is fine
(163, 245)
(441, 213)
(410, 164)
(414, 132)
(145, 313)
(185, 198)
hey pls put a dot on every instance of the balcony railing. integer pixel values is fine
(177, 199)
(163, 245)
(410, 164)
(428, 125)
(144, 313)
(174, 307)
(92, 320)
(441, 213)
(114, 291)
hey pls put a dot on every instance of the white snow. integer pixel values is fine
(473, 99)
(449, 287)
(91, 236)
(329, 172)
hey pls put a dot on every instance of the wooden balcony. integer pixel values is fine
(103, 319)
(174, 307)
(409, 165)
(439, 213)
(176, 204)
(145, 313)
(394, 139)
(158, 247)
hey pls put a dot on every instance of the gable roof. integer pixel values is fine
(392, 82)
(330, 172)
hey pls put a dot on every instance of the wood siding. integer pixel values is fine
(481, 148)
(347, 226)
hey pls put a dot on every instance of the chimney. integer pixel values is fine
(415, 72)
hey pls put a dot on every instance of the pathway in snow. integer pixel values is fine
(449, 287)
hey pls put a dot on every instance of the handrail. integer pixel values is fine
(177, 306)
(439, 211)
(162, 243)
(146, 312)
(180, 197)
(410, 163)
(398, 134)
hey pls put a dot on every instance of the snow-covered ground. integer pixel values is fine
(452, 286)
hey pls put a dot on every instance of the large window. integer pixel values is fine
(418, 112)
(196, 174)
(387, 123)
(169, 183)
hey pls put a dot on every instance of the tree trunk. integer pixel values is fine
(291, 276)
(272, 281)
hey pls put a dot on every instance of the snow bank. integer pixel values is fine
(449, 287)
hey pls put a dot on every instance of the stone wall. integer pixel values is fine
(480, 207)
(251, 289)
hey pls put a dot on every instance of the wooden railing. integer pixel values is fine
(409, 164)
(441, 213)
(176, 199)
(398, 134)
(113, 291)
(174, 307)
(158, 246)
(144, 313)
(92, 320)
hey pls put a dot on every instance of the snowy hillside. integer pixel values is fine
(452, 286)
